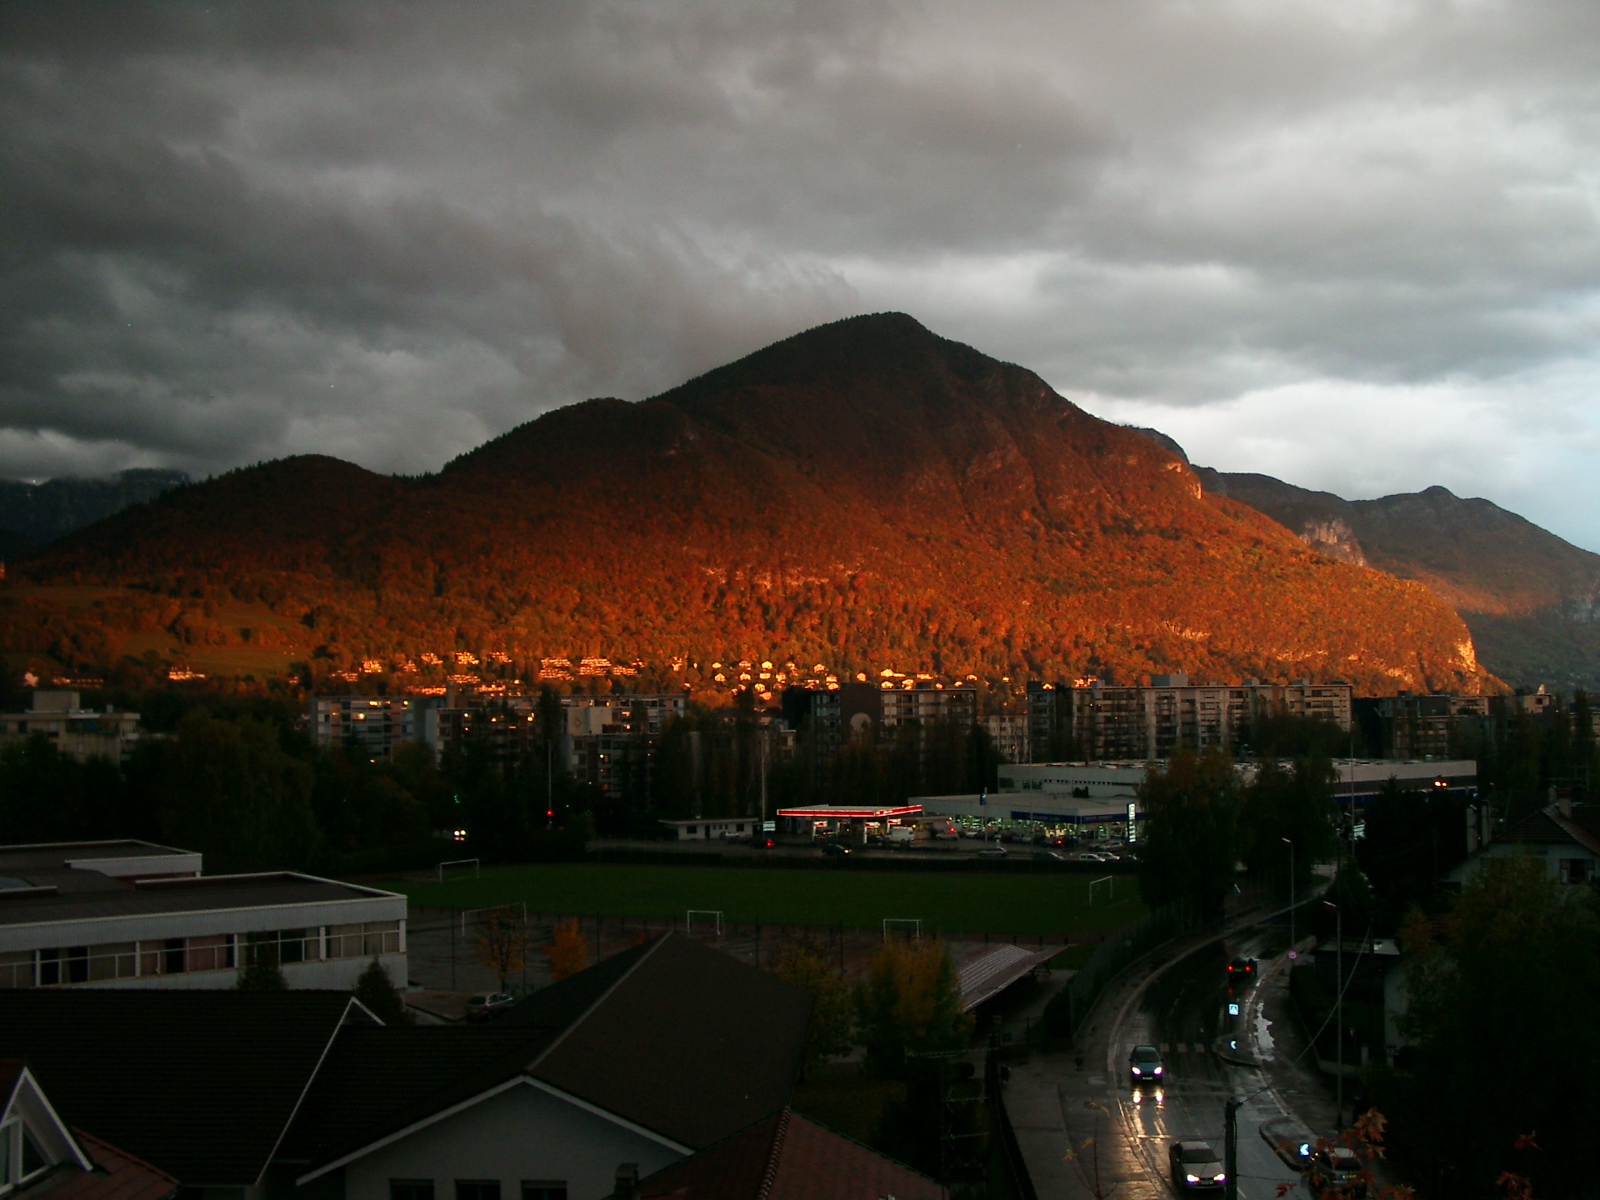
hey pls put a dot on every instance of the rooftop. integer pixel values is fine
(788, 1157)
(68, 881)
(100, 896)
(671, 1035)
(184, 1053)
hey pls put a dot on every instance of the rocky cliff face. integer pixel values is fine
(1531, 600)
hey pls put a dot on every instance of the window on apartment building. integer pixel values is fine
(410, 1189)
(544, 1189)
(174, 957)
(477, 1189)
(1576, 870)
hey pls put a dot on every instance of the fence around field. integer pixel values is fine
(1019, 860)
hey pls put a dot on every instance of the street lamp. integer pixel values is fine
(1290, 844)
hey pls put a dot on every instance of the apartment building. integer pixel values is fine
(1096, 720)
(77, 732)
(378, 725)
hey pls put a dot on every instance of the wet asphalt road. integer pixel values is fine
(1184, 1012)
(1089, 1130)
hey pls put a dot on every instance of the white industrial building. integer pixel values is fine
(134, 914)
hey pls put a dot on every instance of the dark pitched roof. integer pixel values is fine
(1549, 826)
(378, 1081)
(671, 1036)
(200, 1083)
(788, 1157)
(689, 1042)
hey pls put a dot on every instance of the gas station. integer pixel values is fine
(846, 823)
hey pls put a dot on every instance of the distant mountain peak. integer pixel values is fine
(866, 494)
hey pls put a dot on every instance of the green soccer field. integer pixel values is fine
(997, 903)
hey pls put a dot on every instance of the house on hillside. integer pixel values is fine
(130, 914)
(649, 1058)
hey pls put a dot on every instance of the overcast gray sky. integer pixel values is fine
(1355, 245)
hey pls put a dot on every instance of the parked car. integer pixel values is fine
(835, 850)
(1195, 1168)
(484, 1005)
(992, 852)
(1049, 856)
(1090, 856)
(1145, 1065)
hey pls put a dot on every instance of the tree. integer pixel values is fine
(380, 997)
(261, 972)
(805, 964)
(567, 950)
(1191, 830)
(909, 1003)
(230, 789)
(503, 942)
(1295, 803)
(1498, 1004)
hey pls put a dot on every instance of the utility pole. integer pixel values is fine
(1338, 1001)
(1290, 844)
(1230, 1147)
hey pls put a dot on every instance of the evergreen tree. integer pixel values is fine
(380, 997)
(261, 972)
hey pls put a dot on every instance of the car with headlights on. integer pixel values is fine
(1145, 1065)
(1196, 1168)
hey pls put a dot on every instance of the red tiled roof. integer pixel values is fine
(787, 1157)
(117, 1176)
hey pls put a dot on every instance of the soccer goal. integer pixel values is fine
(1111, 887)
(909, 928)
(710, 920)
(462, 863)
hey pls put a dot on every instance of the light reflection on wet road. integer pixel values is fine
(1182, 1012)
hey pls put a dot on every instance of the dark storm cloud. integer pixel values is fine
(388, 231)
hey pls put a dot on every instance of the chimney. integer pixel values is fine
(1564, 802)
(627, 1187)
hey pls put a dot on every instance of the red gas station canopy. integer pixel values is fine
(826, 811)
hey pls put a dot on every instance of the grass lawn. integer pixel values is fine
(1052, 904)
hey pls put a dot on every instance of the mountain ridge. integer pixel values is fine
(866, 494)
(1531, 599)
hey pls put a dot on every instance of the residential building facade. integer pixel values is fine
(75, 731)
